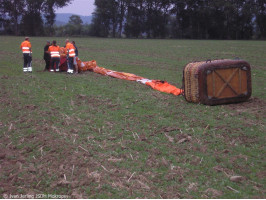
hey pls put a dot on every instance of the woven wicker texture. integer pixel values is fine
(191, 83)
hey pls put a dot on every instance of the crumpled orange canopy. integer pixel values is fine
(159, 85)
(63, 52)
(164, 86)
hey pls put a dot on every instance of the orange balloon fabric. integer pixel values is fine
(159, 85)
(164, 86)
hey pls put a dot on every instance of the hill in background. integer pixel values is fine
(63, 18)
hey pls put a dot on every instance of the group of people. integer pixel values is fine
(51, 56)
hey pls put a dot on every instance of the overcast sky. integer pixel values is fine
(80, 7)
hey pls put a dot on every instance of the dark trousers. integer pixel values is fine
(70, 61)
(47, 63)
(27, 60)
(55, 61)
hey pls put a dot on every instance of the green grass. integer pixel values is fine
(111, 138)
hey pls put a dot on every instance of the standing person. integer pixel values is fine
(55, 56)
(26, 50)
(75, 58)
(70, 56)
(47, 56)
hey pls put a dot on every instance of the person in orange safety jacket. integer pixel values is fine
(70, 56)
(55, 56)
(27, 55)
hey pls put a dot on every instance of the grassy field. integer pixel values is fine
(91, 136)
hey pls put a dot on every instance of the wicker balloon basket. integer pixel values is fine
(217, 82)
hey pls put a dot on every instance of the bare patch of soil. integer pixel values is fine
(254, 106)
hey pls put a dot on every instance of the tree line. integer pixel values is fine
(29, 17)
(182, 19)
(197, 19)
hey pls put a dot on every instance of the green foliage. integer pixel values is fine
(30, 12)
(71, 29)
(75, 20)
(200, 19)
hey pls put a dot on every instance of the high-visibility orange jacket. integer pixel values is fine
(54, 51)
(71, 49)
(26, 47)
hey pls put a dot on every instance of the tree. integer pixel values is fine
(49, 12)
(76, 23)
(121, 15)
(75, 20)
(135, 25)
(31, 22)
(49, 15)
(11, 11)
(103, 17)
(200, 19)
(156, 17)
(25, 16)
(260, 16)
(246, 16)
(179, 20)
